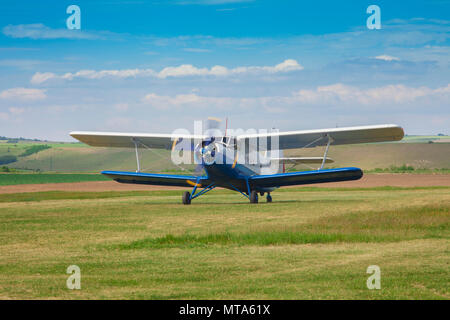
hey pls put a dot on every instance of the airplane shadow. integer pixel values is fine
(263, 202)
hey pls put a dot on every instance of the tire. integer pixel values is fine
(186, 197)
(269, 198)
(253, 197)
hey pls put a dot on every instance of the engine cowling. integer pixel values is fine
(207, 153)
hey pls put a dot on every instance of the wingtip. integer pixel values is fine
(401, 133)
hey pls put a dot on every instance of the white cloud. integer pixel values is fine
(198, 50)
(20, 63)
(40, 31)
(164, 102)
(328, 96)
(4, 116)
(341, 93)
(39, 78)
(443, 90)
(122, 107)
(24, 94)
(285, 66)
(387, 58)
(195, 101)
(16, 111)
(186, 70)
(92, 74)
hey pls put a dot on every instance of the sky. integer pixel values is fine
(156, 66)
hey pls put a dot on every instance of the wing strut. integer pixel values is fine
(330, 140)
(137, 155)
(136, 141)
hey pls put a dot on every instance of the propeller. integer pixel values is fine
(211, 129)
(205, 151)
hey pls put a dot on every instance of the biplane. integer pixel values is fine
(225, 158)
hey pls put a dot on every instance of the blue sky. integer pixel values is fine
(154, 66)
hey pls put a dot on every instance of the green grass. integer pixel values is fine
(310, 243)
(424, 139)
(21, 147)
(71, 159)
(34, 149)
(63, 195)
(385, 226)
(408, 169)
(25, 178)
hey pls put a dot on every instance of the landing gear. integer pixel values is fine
(253, 197)
(186, 197)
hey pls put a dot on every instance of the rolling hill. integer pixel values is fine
(77, 157)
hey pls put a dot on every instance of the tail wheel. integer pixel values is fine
(186, 198)
(269, 198)
(253, 197)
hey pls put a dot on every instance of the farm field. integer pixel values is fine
(43, 178)
(79, 158)
(310, 243)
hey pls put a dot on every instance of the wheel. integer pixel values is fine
(253, 197)
(186, 198)
(269, 198)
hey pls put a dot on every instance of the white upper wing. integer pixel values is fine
(127, 140)
(287, 140)
(312, 138)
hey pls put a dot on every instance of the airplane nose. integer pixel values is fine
(209, 153)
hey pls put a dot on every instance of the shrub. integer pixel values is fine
(34, 149)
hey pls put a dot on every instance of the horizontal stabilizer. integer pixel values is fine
(299, 160)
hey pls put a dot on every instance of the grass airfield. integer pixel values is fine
(310, 243)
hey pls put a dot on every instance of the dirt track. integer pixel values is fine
(369, 180)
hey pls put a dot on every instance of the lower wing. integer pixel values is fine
(305, 177)
(157, 179)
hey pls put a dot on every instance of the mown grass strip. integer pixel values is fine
(64, 195)
(258, 239)
(385, 226)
